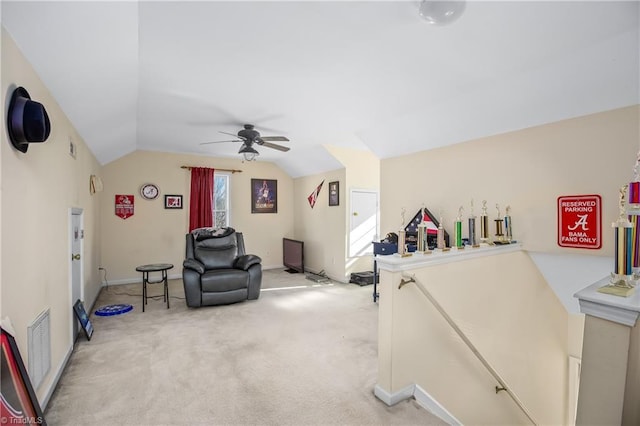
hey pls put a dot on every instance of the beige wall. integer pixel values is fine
(325, 229)
(604, 370)
(322, 228)
(527, 170)
(503, 305)
(154, 234)
(38, 190)
(362, 171)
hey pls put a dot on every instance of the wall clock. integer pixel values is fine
(149, 191)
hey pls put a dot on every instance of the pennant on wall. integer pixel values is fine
(314, 195)
(124, 205)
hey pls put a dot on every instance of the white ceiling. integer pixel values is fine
(363, 74)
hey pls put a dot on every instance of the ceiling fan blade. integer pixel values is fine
(274, 138)
(266, 128)
(231, 134)
(274, 146)
(207, 143)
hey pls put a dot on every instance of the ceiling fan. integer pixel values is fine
(248, 136)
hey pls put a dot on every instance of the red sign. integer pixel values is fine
(124, 206)
(580, 221)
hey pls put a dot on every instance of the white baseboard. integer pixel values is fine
(393, 398)
(575, 365)
(138, 280)
(56, 379)
(266, 267)
(342, 280)
(423, 399)
(429, 403)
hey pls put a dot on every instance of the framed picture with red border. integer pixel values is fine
(18, 402)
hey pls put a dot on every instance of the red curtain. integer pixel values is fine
(201, 204)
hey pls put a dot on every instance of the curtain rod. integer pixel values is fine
(222, 170)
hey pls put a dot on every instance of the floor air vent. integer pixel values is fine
(39, 335)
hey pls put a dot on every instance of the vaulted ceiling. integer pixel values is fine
(369, 75)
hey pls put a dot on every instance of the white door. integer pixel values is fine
(76, 264)
(363, 229)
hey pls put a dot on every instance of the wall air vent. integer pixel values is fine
(39, 350)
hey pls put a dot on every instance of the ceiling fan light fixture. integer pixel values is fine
(441, 12)
(248, 153)
(249, 156)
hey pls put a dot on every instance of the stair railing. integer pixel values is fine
(406, 279)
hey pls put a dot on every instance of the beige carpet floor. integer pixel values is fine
(304, 353)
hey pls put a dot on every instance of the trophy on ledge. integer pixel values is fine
(440, 240)
(634, 187)
(633, 210)
(622, 281)
(507, 225)
(484, 224)
(422, 246)
(498, 221)
(458, 229)
(472, 228)
(401, 235)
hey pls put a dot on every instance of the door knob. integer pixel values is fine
(355, 213)
(75, 256)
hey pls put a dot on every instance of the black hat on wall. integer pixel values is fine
(27, 120)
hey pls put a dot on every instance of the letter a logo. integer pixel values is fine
(582, 222)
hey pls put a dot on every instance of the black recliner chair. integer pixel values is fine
(217, 271)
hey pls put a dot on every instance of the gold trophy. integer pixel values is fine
(499, 233)
(484, 224)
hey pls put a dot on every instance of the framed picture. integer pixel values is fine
(18, 403)
(82, 316)
(173, 201)
(334, 193)
(264, 196)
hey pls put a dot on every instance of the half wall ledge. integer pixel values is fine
(396, 263)
(622, 310)
(609, 386)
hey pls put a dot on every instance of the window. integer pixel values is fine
(221, 200)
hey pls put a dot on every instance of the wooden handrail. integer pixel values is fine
(503, 385)
(222, 170)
